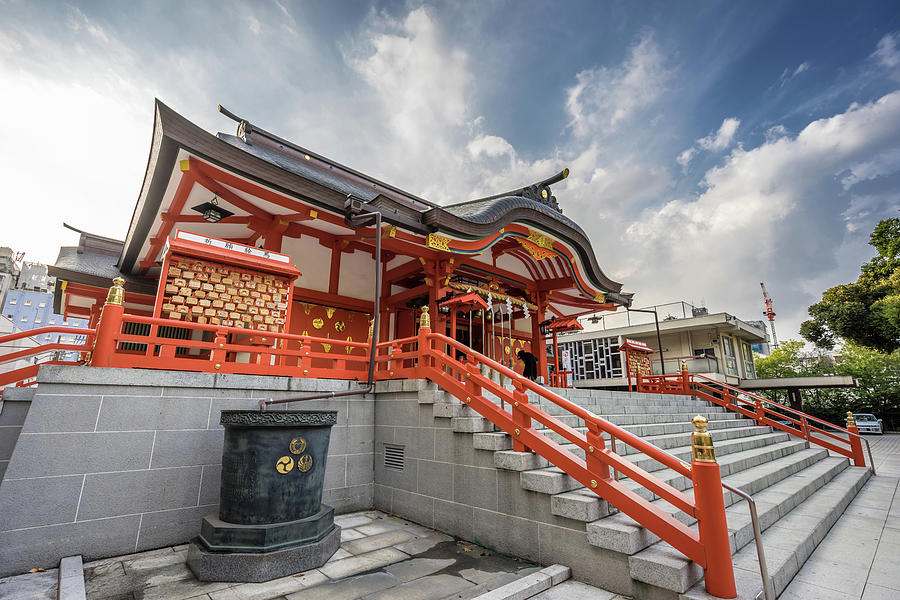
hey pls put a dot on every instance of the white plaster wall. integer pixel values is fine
(313, 260)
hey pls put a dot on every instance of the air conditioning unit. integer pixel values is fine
(699, 312)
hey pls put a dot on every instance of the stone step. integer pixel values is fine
(649, 430)
(601, 410)
(761, 448)
(621, 533)
(789, 540)
(530, 585)
(623, 420)
(581, 504)
(723, 448)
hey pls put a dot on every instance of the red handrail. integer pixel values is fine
(759, 409)
(19, 375)
(708, 547)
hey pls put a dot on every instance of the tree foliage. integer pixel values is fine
(866, 313)
(877, 374)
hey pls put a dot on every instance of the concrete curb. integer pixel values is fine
(529, 585)
(71, 579)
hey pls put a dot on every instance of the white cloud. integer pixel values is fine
(777, 211)
(603, 98)
(804, 66)
(887, 53)
(714, 142)
(254, 25)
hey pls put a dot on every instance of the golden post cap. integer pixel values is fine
(851, 421)
(701, 441)
(425, 319)
(116, 292)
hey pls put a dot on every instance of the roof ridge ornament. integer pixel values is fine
(539, 192)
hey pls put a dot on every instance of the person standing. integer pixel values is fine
(530, 360)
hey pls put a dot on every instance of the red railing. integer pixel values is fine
(845, 441)
(167, 344)
(708, 546)
(21, 375)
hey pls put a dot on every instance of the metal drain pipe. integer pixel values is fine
(354, 217)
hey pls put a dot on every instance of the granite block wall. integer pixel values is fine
(448, 484)
(14, 404)
(113, 461)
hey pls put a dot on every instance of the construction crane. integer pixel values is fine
(770, 313)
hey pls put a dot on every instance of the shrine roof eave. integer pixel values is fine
(485, 217)
(173, 133)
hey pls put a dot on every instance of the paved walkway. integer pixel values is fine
(381, 558)
(860, 556)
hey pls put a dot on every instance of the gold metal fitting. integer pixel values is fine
(515, 403)
(116, 292)
(371, 328)
(517, 432)
(684, 365)
(468, 399)
(305, 371)
(218, 366)
(221, 345)
(851, 421)
(591, 449)
(593, 483)
(701, 441)
(392, 373)
(425, 319)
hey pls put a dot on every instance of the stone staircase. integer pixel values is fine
(800, 491)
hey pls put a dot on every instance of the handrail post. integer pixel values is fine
(710, 503)
(218, 353)
(109, 325)
(639, 384)
(471, 371)
(596, 445)
(685, 379)
(760, 412)
(521, 420)
(855, 443)
(424, 344)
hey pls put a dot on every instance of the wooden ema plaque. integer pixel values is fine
(203, 291)
(637, 358)
(215, 282)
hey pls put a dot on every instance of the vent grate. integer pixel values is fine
(394, 457)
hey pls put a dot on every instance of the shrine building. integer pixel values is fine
(246, 239)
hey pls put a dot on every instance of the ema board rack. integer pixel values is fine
(211, 281)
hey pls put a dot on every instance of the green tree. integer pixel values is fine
(878, 376)
(866, 313)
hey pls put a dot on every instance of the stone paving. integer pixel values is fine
(381, 557)
(860, 556)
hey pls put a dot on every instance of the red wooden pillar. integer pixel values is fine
(710, 504)
(855, 443)
(109, 325)
(538, 344)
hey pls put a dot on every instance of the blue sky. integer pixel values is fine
(713, 145)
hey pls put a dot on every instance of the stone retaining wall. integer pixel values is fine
(112, 461)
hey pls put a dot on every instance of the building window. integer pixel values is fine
(749, 369)
(24, 319)
(13, 301)
(730, 360)
(53, 321)
(28, 303)
(42, 305)
(38, 320)
(47, 337)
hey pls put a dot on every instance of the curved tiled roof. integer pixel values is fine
(491, 210)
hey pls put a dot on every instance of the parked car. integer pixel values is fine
(868, 423)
